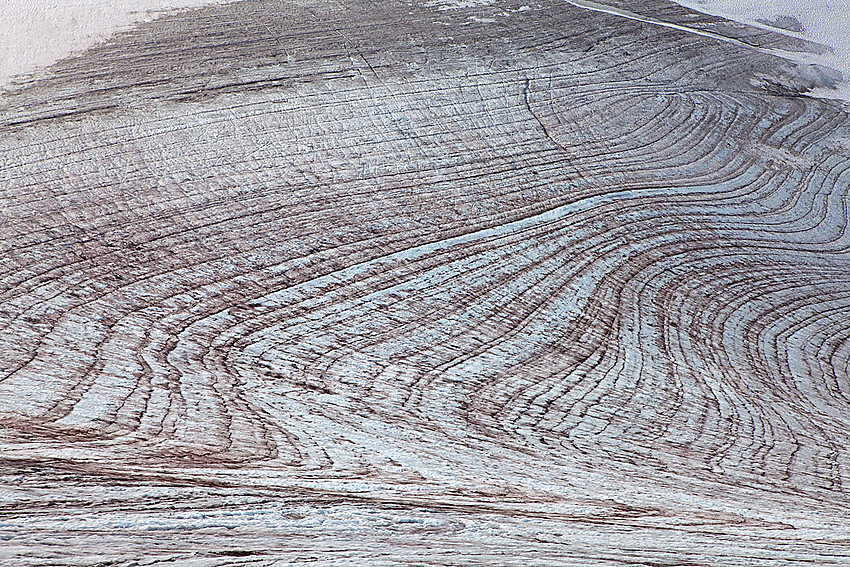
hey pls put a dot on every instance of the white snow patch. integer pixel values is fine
(457, 4)
(37, 33)
(823, 21)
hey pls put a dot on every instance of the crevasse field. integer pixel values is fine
(426, 283)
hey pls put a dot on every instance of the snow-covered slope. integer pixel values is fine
(823, 21)
(37, 33)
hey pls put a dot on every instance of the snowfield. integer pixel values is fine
(822, 21)
(37, 33)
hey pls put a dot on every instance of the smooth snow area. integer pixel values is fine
(37, 33)
(823, 21)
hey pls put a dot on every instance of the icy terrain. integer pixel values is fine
(37, 33)
(823, 21)
(438, 283)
